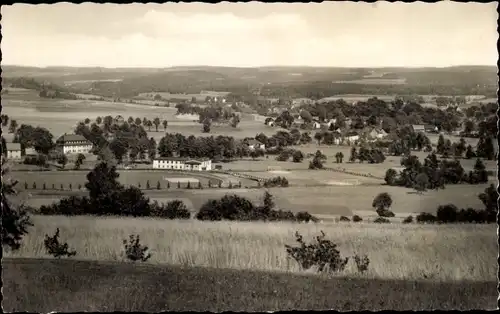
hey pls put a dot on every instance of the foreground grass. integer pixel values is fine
(397, 252)
(37, 285)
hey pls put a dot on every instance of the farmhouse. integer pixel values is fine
(74, 143)
(179, 163)
(13, 151)
(316, 125)
(254, 144)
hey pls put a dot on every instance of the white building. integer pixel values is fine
(178, 163)
(13, 150)
(254, 144)
(74, 144)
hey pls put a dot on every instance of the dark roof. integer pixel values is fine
(71, 138)
(13, 146)
(193, 162)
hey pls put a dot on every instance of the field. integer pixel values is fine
(457, 258)
(35, 285)
(62, 116)
(376, 81)
(329, 201)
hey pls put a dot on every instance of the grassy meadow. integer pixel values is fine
(397, 252)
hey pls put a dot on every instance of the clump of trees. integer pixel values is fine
(108, 197)
(382, 202)
(276, 181)
(371, 155)
(317, 161)
(234, 207)
(434, 173)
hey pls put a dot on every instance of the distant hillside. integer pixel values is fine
(269, 81)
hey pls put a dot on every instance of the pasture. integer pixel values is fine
(327, 202)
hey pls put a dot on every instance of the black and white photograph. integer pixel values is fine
(249, 157)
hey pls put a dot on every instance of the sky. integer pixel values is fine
(328, 34)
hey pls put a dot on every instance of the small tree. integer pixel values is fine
(298, 156)
(70, 186)
(148, 186)
(469, 153)
(168, 184)
(354, 155)
(390, 176)
(382, 203)
(158, 185)
(178, 184)
(62, 160)
(53, 186)
(55, 248)
(139, 185)
(199, 185)
(421, 182)
(34, 185)
(189, 185)
(62, 187)
(44, 186)
(134, 251)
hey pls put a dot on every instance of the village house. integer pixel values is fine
(316, 124)
(13, 151)
(429, 128)
(418, 127)
(377, 134)
(254, 144)
(74, 144)
(179, 163)
(330, 122)
(269, 122)
(352, 137)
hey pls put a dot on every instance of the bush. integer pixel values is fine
(447, 213)
(385, 213)
(323, 254)
(426, 218)
(56, 249)
(134, 251)
(408, 220)
(381, 220)
(362, 263)
(276, 181)
(344, 218)
(172, 210)
(356, 218)
(305, 217)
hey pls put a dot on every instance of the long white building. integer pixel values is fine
(179, 163)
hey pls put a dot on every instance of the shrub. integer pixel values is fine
(426, 218)
(56, 249)
(381, 220)
(134, 251)
(34, 185)
(178, 184)
(175, 209)
(447, 213)
(323, 254)
(276, 181)
(139, 185)
(70, 186)
(53, 186)
(304, 217)
(344, 218)
(148, 186)
(199, 185)
(230, 185)
(362, 263)
(189, 185)
(356, 218)
(62, 187)
(385, 213)
(408, 220)
(44, 186)
(158, 185)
